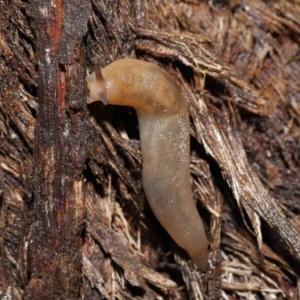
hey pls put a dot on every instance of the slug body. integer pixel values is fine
(165, 142)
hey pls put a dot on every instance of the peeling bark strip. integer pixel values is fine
(54, 260)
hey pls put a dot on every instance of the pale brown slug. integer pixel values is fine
(165, 142)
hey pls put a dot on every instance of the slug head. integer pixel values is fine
(96, 87)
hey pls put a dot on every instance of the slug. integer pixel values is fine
(165, 143)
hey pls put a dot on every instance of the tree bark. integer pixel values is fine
(54, 239)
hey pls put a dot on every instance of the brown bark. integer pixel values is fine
(54, 258)
(74, 221)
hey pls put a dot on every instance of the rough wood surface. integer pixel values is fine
(54, 237)
(74, 221)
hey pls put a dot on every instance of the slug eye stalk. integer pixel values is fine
(96, 86)
(99, 76)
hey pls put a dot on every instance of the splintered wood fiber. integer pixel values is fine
(74, 219)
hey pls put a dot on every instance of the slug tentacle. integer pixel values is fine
(97, 87)
(165, 142)
(99, 76)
